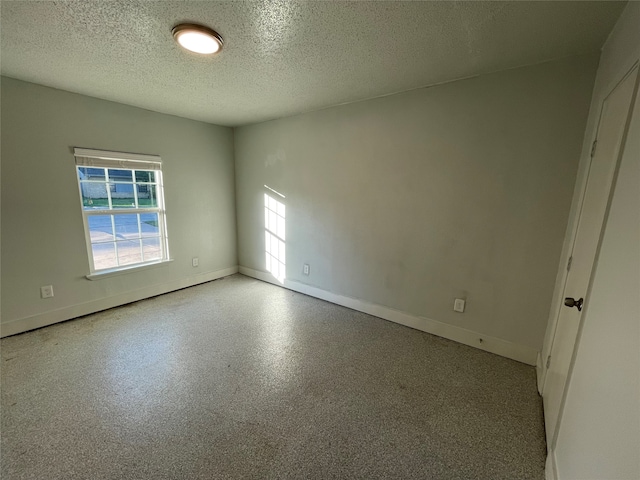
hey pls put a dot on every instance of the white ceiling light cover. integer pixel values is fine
(197, 38)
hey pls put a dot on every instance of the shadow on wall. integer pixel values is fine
(274, 235)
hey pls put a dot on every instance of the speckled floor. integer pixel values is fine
(241, 379)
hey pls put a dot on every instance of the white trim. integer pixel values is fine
(128, 269)
(540, 372)
(20, 325)
(110, 155)
(121, 211)
(550, 467)
(521, 353)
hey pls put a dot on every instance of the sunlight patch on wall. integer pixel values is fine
(274, 237)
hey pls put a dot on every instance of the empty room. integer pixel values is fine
(320, 239)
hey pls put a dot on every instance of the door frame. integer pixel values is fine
(570, 240)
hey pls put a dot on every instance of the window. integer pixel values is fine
(123, 209)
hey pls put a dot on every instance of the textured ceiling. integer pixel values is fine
(283, 57)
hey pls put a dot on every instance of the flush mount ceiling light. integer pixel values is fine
(197, 38)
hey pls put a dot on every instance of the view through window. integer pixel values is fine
(123, 209)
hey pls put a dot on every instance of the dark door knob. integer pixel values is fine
(572, 302)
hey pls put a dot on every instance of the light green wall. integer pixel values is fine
(405, 201)
(411, 200)
(42, 230)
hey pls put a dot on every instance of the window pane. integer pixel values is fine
(145, 176)
(94, 195)
(116, 175)
(147, 196)
(128, 238)
(126, 226)
(129, 252)
(104, 256)
(95, 174)
(100, 228)
(151, 249)
(149, 225)
(122, 195)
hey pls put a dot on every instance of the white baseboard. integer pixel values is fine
(47, 318)
(498, 346)
(539, 372)
(550, 468)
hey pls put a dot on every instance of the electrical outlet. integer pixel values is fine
(46, 291)
(458, 305)
(305, 269)
(195, 262)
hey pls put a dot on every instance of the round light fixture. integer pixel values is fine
(197, 38)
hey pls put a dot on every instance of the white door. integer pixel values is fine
(610, 136)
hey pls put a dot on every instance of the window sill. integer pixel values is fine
(125, 270)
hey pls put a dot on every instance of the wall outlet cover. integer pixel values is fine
(458, 305)
(46, 291)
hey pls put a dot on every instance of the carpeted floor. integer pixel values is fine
(242, 379)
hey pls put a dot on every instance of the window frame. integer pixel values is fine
(90, 158)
